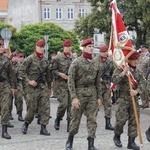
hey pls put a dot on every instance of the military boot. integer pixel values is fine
(148, 134)
(91, 144)
(108, 124)
(11, 117)
(39, 120)
(9, 125)
(117, 140)
(132, 144)
(4, 132)
(57, 123)
(20, 118)
(25, 128)
(69, 142)
(44, 130)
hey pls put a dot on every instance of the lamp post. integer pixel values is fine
(46, 37)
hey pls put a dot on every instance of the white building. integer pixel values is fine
(61, 12)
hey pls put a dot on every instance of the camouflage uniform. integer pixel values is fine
(7, 82)
(105, 86)
(61, 64)
(36, 96)
(84, 84)
(19, 95)
(124, 103)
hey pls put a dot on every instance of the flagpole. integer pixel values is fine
(135, 112)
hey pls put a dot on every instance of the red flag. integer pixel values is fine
(120, 42)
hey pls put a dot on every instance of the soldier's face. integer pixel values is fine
(89, 48)
(133, 62)
(104, 54)
(40, 49)
(67, 49)
(1, 49)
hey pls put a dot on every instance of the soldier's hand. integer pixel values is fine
(133, 92)
(125, 69)
(32, 83)
(76, 103)
(64, 76)
(13, 91)
(100, 102)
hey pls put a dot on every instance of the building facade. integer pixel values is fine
(3, 10)
(61, 12)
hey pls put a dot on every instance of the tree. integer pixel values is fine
(136, 15)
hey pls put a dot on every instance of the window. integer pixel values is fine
(70, 14)
(82, 12)
(58, 13)
(47, 13)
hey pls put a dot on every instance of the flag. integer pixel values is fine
(120, 42)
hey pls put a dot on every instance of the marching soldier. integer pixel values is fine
(107, 68)
(37, 92)
(84, 87)
(7, 86)
(125, 111)
(60, 67)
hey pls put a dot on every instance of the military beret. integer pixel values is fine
(87, 42)
(40, 43)
(1, 42)
(14, 53)
(103, 48)
(135, 55)
(67, 43)
(20, 55)
(144, 46)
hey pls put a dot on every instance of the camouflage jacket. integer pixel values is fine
(8, 74)
(31, 68)
(84, 74)
(123, 83)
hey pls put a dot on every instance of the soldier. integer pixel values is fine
(60, 66)
(7, 86)
(125, 111)
(107, 68)
(37, 92)
(18, 96)
(84, 87)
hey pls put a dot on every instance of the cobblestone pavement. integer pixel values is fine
(56, 141)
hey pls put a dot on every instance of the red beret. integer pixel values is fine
(20, 55)
(14, 53)
(40, 43)
(103, 48)
(1, 42)
(67, 43)
(135, 55)
(87, 42)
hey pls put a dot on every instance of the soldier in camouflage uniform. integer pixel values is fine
(7, 86)
(60, 66)
(38, 93)
(107, 68)
(84, 87)
(19, 94)
(125, 111)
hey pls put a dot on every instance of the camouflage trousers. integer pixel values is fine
(37, 98)
(88, 106)
(125, 113)
(64, 103)
(107, 102)
(18, 97)
(5, 93)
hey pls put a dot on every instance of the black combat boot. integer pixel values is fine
(9, 125)
(91, 144)
(20, 118)
(11, 117)
(108, 124)
(132, 144)
(44, 130)
(117, 140)
(39, 120)
(69, 142)
(57, 123)
(25, 128)
(148, 134)
(4, 132)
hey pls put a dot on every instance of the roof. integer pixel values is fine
(3, 4)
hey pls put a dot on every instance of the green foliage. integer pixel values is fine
(136, 15)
